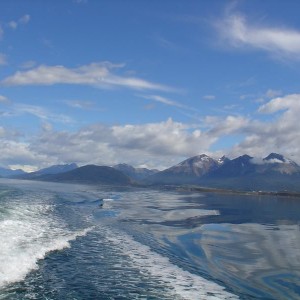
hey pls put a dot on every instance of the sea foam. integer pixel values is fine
(27, 234)
(182, 284)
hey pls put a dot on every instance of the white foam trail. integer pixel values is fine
(27, 234)
(183, 284)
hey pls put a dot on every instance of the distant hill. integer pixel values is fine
(273, 173)
(4, 172)
(135, 173)
(56, 169)
(89, 174)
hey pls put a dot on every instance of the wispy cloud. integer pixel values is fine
(102, 75)
(28, 64)
(270, 93)
(3, 59)
(4, 99)
(41, 113)
(80, 1)
(1, 32)
(18, 109)
(14, 24)
(24, 19)
(236, 30)
(209, 97)
(166, 101)
(80, 104)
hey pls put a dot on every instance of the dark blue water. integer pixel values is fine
(56, 242)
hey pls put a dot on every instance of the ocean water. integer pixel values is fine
(57, 242)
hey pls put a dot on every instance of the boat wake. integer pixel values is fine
(182, 284)
(27, 233)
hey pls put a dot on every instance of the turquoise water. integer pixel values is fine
(56, 242)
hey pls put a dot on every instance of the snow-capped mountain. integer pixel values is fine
(278, 163)
(187, 171)
(272, 172)
(197, 166)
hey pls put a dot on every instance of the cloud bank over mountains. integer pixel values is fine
(159, 144)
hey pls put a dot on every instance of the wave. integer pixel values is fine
(27, 233)
(183, 284)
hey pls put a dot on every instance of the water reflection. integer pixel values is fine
(248, 243)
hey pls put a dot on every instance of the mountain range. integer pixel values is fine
(135, 173)
(4, 172)
(55, 169)
(90, 174)
(272, 173)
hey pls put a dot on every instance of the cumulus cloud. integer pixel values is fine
(226, 126)
(159, 145)
(153, 144)
(236, 30)
(102, 75)
(280, 134)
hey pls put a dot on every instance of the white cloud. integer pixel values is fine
(153, 144)
(1, 32)
(157, 144)
(282, 42)
(219, 127)
(280, 134)
(95, 74)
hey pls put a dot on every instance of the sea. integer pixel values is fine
(69, 241)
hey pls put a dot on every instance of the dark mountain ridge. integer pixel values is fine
(90, 174)
(135, 173)
(55, 169)
(5, 172)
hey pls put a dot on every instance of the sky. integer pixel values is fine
(148, 83)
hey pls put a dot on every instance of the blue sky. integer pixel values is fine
(148, 83)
